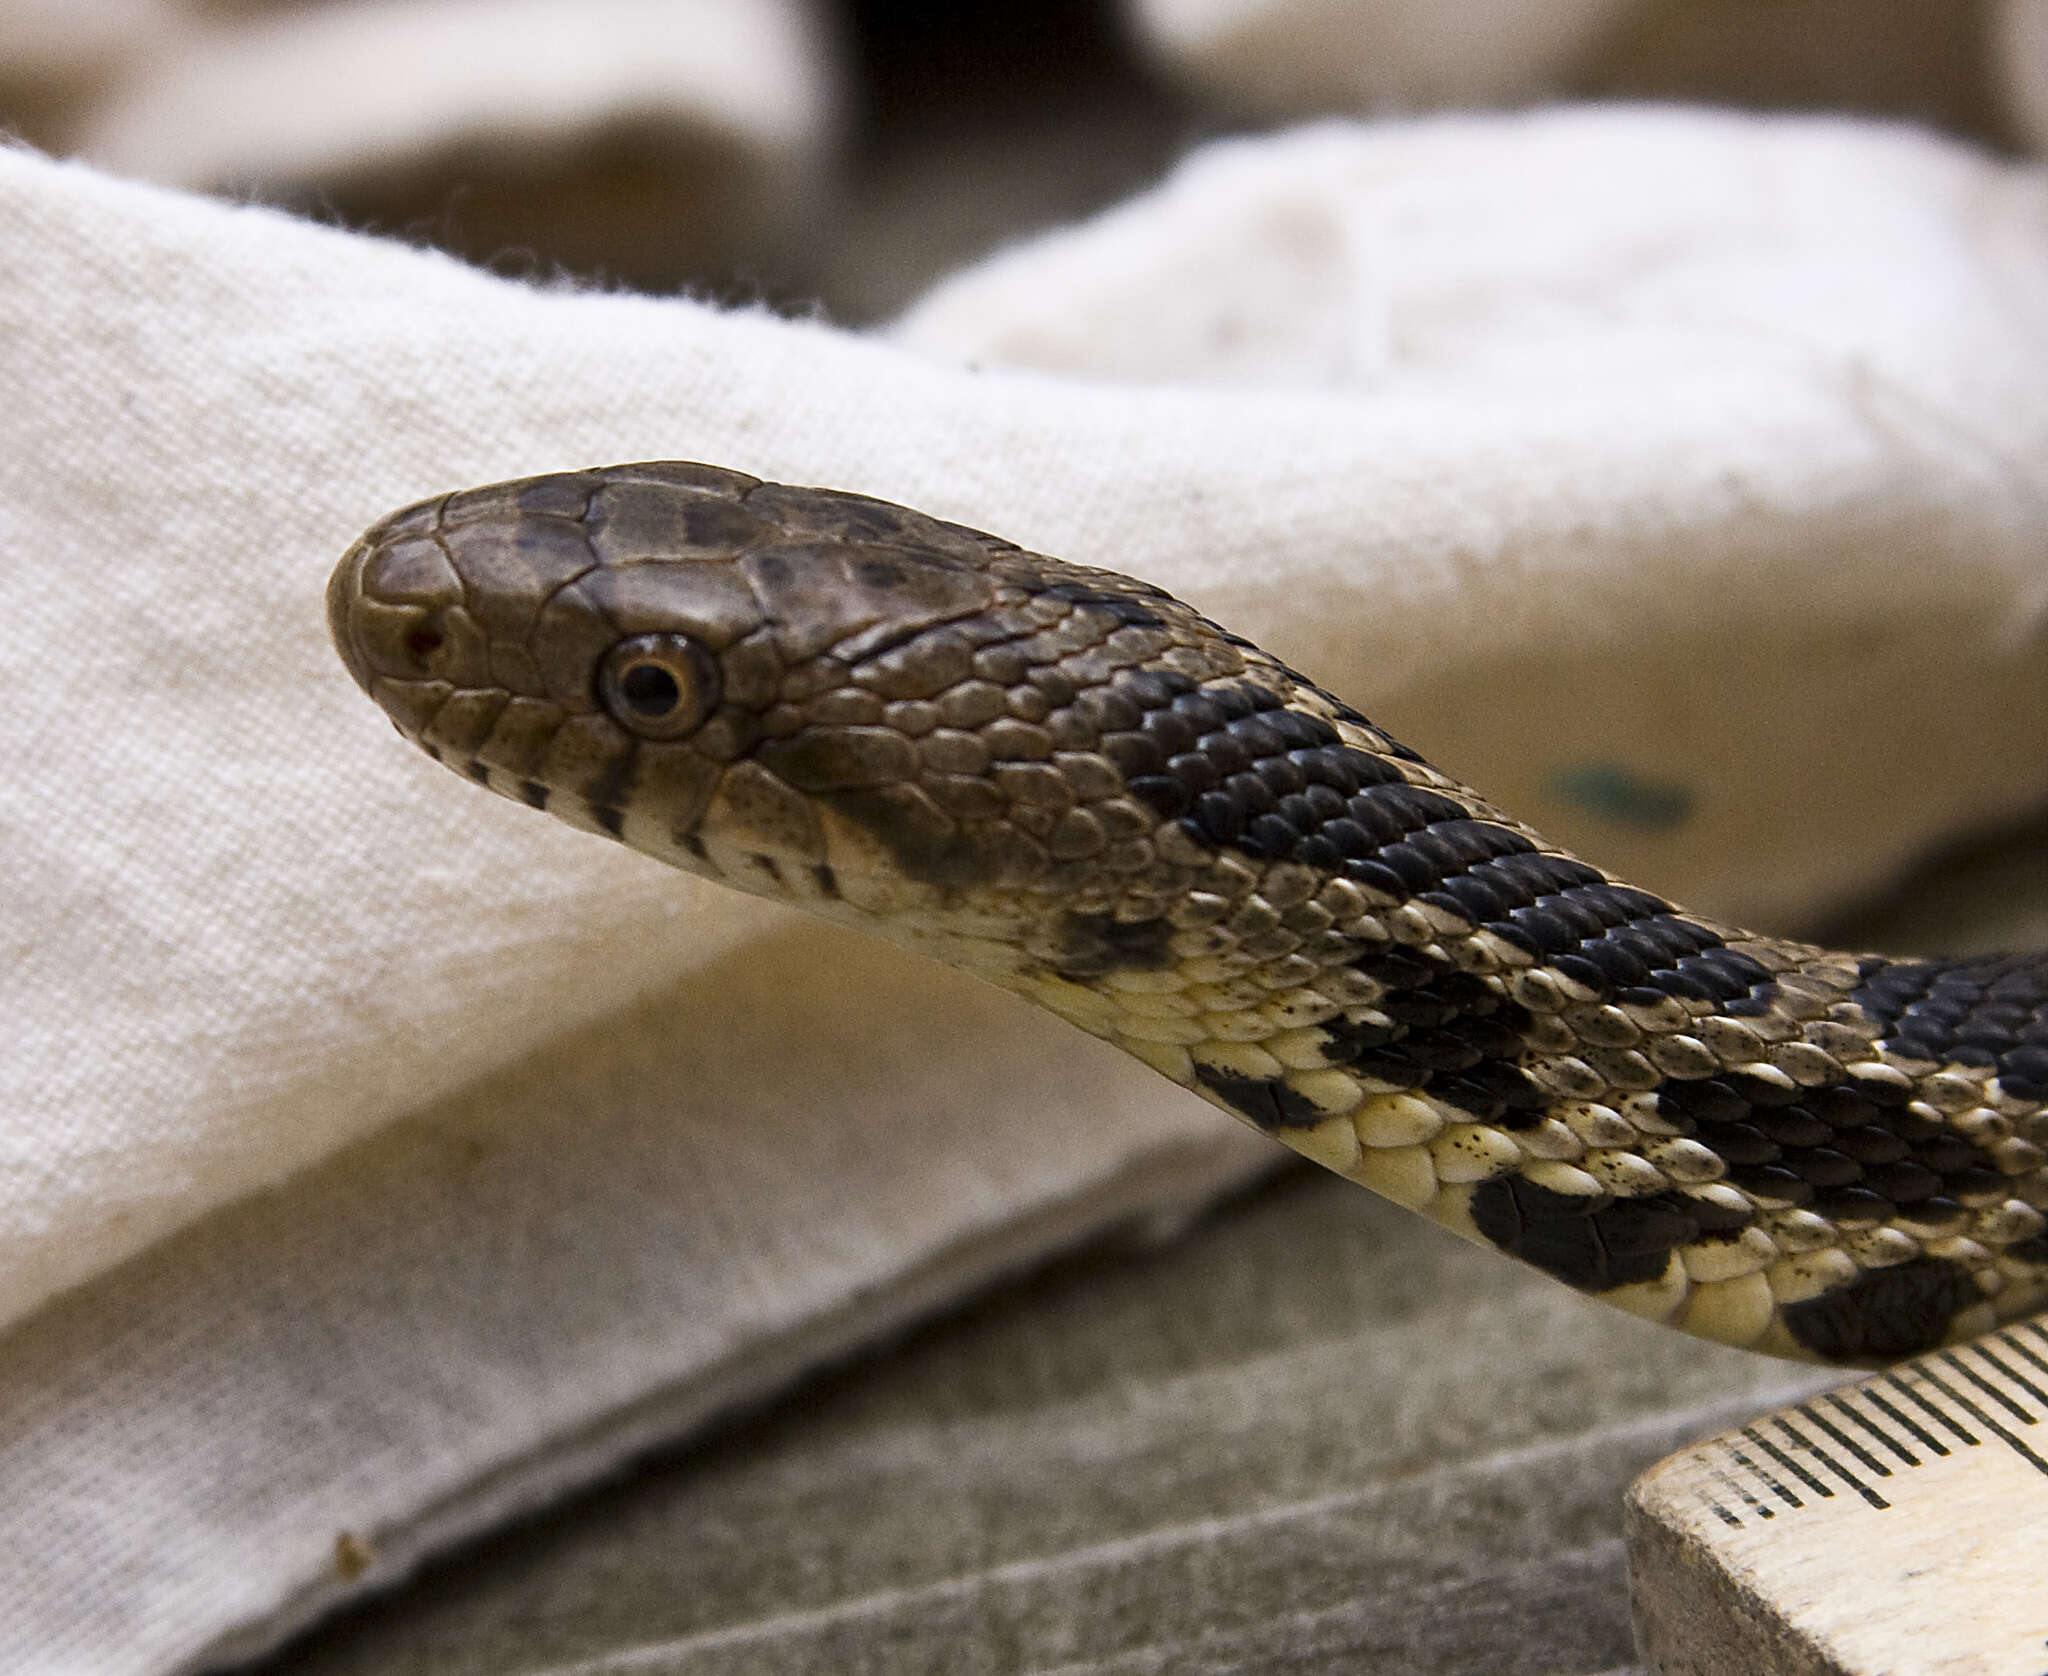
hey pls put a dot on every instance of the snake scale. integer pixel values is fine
(1072, 785)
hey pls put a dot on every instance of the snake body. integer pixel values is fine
(1072, 785)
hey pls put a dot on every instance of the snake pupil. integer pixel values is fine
(651, 690)
(659, 686)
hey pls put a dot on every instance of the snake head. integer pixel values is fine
(810, 695)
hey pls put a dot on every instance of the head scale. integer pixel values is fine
(806, 694)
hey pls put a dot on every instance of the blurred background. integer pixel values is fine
(839, 157)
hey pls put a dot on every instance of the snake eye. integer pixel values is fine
(660, 686)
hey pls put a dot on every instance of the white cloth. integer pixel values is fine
(312, 94)
(649, 141)
(325, 92)
(1679, 481)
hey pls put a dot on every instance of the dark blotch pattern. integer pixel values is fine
(1594, 1241)
(1271, 1105)
(1884, 1313)
(1239, 770)
(924, 843)
(1851, 1150)
(1990, 1013)
(1091, 944)
(1448, 1033)
(610, 790)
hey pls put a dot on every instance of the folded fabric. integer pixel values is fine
(651, 139)
(1673, 477)
(324, 92)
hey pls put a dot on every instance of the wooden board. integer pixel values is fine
(1897, 1527)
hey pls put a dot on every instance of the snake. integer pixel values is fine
(1072, 785)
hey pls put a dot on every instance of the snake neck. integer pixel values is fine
(1759, 1141)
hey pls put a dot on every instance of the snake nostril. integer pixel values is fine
(424, 642)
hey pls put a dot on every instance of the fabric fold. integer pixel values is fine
(668, 1215)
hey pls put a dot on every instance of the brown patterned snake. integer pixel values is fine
(1071, 785)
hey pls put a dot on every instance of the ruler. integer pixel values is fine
(1897, 1527)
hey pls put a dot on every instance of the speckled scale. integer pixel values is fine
(1438, 1029)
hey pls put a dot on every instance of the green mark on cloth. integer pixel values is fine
(1617, 794)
